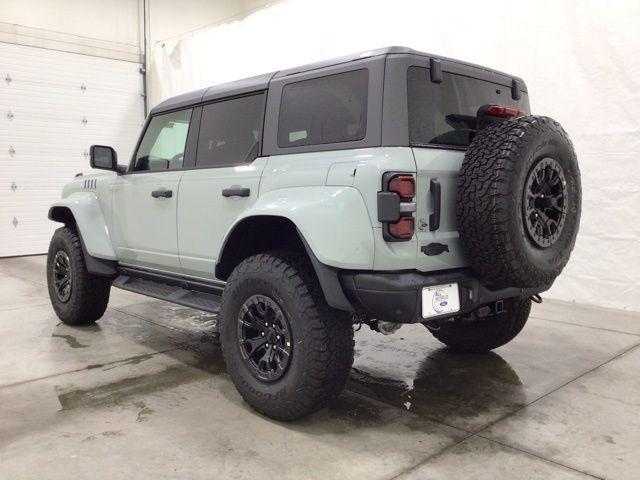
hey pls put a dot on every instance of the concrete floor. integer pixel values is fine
(144, 394)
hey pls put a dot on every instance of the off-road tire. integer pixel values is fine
(472, 334)
(89, 293)
(322, 352)
(489, 207)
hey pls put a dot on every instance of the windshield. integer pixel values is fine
(445, 113)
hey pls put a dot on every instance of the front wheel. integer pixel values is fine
(287, 352)
(77, 297)
(472, 334)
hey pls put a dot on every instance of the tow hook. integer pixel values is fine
(536, 298)
(432, 325)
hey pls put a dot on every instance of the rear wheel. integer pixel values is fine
(77, 297)
(288, 352)
(472, 334)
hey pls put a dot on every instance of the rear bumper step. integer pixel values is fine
(397, 297)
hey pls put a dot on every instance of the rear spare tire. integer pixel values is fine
(518, 204)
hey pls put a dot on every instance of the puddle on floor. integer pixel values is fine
(71, 340)
(117, 392)
(408, 370)
(416, 374)
(175, 317)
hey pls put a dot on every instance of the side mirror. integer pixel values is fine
(104, 158)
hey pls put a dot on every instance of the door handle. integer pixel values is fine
(236, 192)
(436, 190)
(162, 193)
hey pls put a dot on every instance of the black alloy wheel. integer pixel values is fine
(265, 338)
(544, 202)
(62, 277)
(287, 352)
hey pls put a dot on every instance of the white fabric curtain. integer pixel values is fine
(580, 59)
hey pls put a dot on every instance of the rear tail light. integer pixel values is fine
(396, 206)
(403, 185)
(503, 111)
(403, 229)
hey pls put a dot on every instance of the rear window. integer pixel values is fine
(230, 131)
(445, 113)
(331, 109)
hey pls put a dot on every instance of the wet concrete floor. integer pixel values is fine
(144, 393)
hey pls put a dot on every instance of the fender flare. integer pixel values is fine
(83, 210)
(329, 281)
(333, 220)
(332, 224)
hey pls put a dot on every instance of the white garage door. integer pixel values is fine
(53, 107)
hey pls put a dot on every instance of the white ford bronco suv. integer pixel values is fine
(382, 188)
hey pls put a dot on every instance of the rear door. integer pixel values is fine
(145, 199)
(442, 123)
(224, 182)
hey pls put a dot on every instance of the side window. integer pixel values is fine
(230, 131)
(162, 147)
(329, 109)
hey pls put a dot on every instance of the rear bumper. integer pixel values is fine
(397, 297)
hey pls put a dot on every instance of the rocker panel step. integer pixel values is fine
(208, 302)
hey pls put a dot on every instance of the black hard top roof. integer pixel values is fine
(261, 82)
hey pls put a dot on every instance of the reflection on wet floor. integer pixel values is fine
(71, 340)
(409, 370)
(192, 334)
(149, 376)
(447, 386)
(157, 323)
(115, 393)
(174, 316)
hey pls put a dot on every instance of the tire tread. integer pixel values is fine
(485, 195)
(328, 335)
(90, 294)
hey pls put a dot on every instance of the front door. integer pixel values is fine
(224, 182)
(145, 199)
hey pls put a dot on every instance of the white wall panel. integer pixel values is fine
(112, 21)
(580, 59)
(47, 134)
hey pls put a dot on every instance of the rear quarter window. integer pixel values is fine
(445, 113)
(330, 109)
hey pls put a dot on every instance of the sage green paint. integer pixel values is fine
(444, 166)
(425, 163)
(90, 221)
(144, 227)
(331, 197)
(205, 216)
(332, 219)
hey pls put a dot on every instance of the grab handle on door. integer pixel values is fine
(162, 193)
(436, 190)
(236, 192)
